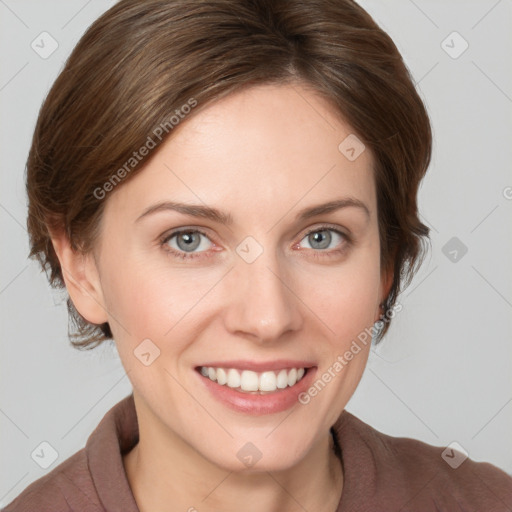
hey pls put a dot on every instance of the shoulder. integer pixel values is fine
(66, 488)
(454, 479)
(420, 476)
(92, 479)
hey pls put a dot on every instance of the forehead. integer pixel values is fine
(259, 150)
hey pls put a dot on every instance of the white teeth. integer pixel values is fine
(292, 377)
(233, 378)
(222, 378)
(249, 381)
(268, 381)
(282, 379)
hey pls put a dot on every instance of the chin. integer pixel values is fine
(255, 457)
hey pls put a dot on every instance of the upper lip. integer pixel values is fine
(256, 366)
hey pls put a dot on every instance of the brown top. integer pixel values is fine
(381, 473)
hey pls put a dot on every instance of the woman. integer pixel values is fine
(228, 190)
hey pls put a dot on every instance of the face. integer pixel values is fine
(257, 287)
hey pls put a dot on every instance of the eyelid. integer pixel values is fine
(326, 226)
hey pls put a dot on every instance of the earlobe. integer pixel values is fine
(82, 281)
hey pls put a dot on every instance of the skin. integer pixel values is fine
(261, 155)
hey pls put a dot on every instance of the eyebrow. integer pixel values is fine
(208, 212)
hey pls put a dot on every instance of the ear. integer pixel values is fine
(81, 278)
(385, 288)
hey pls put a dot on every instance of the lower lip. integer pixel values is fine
(257, 404)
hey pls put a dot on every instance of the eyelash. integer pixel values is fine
(317, 254)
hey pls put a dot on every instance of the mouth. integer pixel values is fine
(254, 382)
(256, 388)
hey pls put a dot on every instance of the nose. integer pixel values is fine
(263, 305)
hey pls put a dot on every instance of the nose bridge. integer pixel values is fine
(262, 304)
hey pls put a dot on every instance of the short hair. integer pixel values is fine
(143, 61)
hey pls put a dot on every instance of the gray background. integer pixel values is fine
(443, 372)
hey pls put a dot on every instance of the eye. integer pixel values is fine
(322, 238)
(183, 243)
(188, 243)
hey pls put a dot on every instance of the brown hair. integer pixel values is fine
(142, 60)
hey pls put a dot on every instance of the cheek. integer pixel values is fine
(345, 297)
(344, 301)
(143, 304)
(147, 297)
(140, 297)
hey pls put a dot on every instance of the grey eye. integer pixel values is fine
(320, 239)
(188, 241)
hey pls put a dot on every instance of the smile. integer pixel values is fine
(248, 381)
